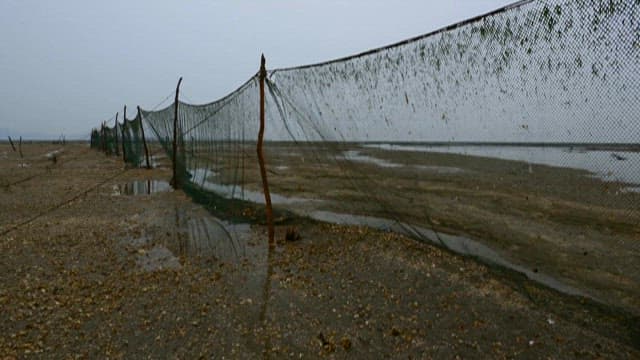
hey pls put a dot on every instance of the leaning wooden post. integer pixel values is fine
(144, 141)
(176, 181)
(124, 124)
(104, 137)
(11, 142)
(263, 172)
(116, 130)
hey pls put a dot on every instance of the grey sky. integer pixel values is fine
(67, 65)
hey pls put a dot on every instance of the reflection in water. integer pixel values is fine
(157, 258)
(142, 187)
(208, 236)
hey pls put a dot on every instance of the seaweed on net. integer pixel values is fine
(532, 72)
(557, 75)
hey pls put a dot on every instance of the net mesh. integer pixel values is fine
(126, 140)
(132, 140)
(512, 137)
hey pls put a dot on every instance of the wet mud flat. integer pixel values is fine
(563, 224)
(110, 274)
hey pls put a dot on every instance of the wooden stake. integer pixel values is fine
(11, 142)
(175, 181)
(116, 129)
(124, 124)
(104, 137)
(144, 141)
(20, 147)
(263, 172)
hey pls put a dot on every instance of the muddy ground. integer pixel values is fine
(92, 272)
(555, 223)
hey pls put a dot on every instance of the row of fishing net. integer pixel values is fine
(98, 137)
(216, 159)
(133, 145)
(517, 129)
(122, 139)
(161, 124)
(95, 139)
(109, 140)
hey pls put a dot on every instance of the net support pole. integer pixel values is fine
(104, 137)
(11, 142)
(124, 125)
(144, 141)
(263, 172)
(116, 137)
(175, 182)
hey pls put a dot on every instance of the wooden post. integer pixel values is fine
(20, 147)
(104, 137)
(116, 130)
(176, 181)
(144, 141)
(11, 142)
(263, 172)
(124, 124)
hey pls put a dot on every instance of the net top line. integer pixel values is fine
(272, 72)
(447, 28)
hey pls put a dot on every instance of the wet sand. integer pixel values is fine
(93, 272)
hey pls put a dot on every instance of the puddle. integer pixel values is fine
(213, 237)
(354, 155)
(440, 169)
(142, 187)
(201, 236)
(156, 258)
(200, 178)
(458, 244)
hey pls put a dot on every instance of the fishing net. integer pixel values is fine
(512, 137)
(126, 140)
(133, 142)
(109, 137)
(95, 139)
(216, 150)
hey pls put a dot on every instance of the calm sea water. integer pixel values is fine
(622, 166)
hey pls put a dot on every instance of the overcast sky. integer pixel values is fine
(67, 65)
